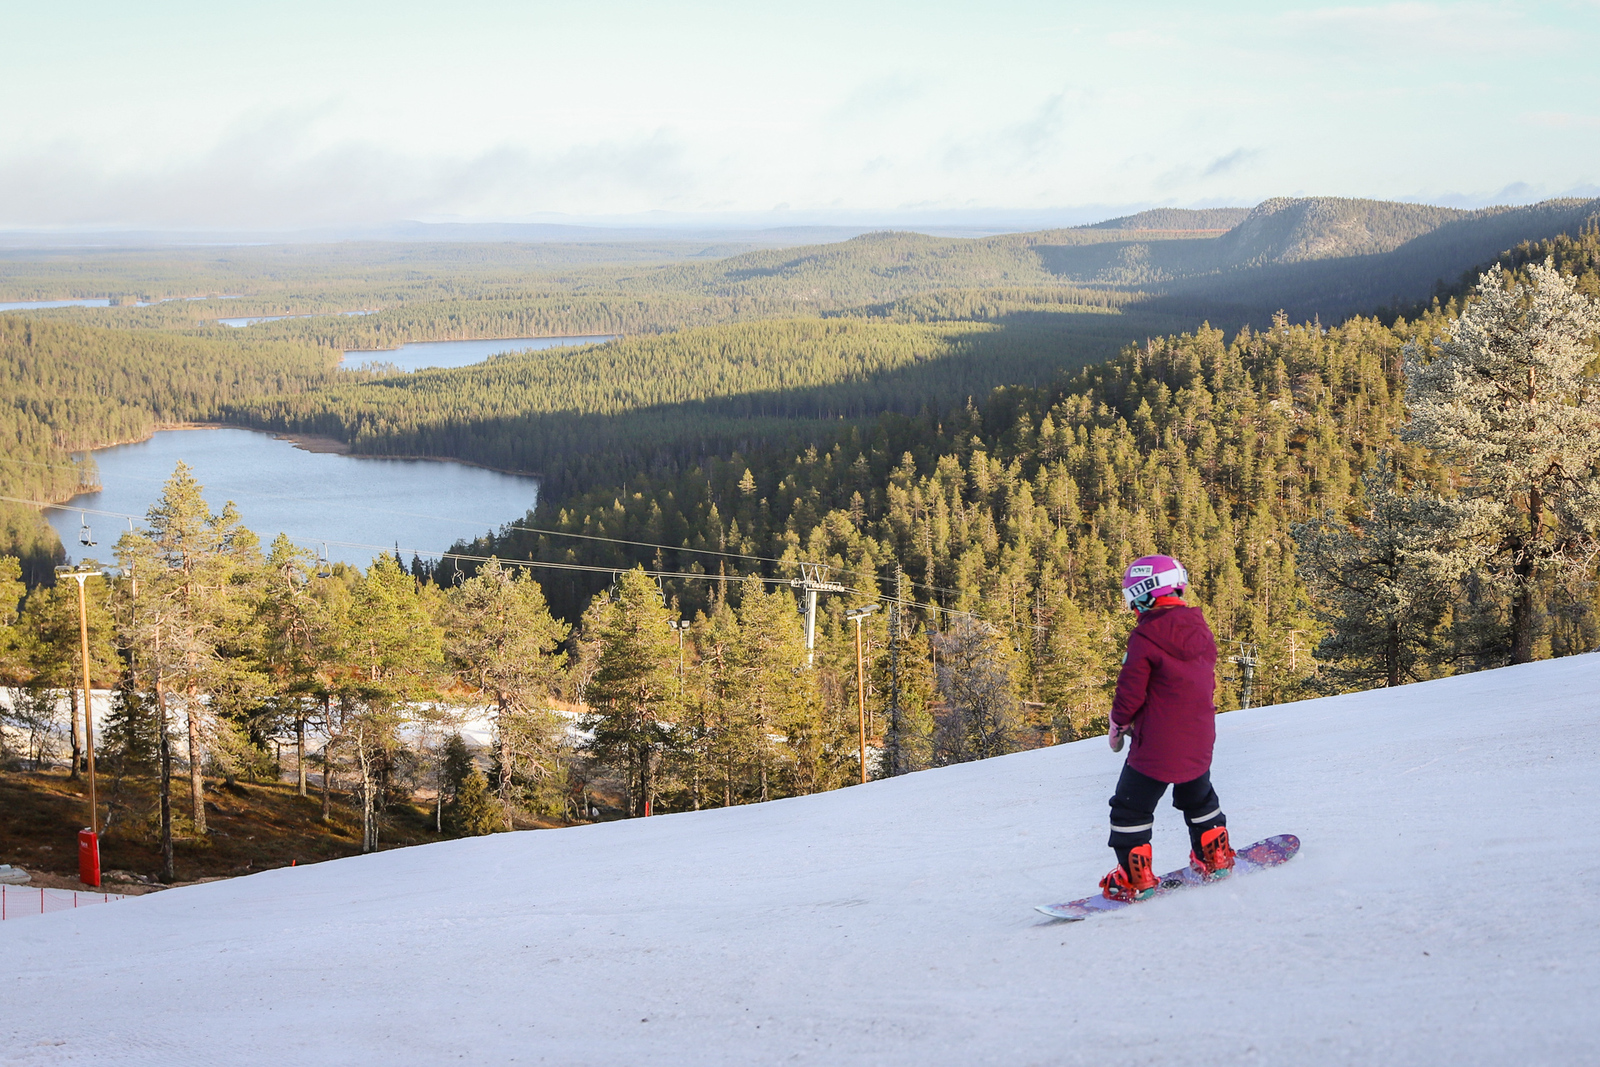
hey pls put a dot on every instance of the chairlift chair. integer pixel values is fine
(324, 568)
(85, 537)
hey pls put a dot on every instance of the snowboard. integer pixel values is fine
(1262, 854)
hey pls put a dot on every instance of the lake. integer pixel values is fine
(420, 354)
(28, 305)
(359, 505)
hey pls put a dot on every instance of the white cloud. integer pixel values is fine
(606, 109)
(278, 172)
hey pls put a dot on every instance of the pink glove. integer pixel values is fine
(1115, 735)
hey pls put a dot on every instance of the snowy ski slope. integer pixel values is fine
(1445, 909)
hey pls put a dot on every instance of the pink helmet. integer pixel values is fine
(1151, 576)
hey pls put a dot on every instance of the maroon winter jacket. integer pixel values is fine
(1165, 693)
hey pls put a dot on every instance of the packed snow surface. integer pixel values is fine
(1445, 909)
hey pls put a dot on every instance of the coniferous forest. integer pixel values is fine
(1370, 431)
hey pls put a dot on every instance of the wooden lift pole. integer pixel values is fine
(88, 851)
(856, 615)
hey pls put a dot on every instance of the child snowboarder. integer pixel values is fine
(1164, 702)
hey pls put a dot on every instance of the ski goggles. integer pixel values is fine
(1178, 578)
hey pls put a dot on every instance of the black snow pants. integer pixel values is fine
(1133, 810)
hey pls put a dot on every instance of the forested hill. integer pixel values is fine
(1214, 219)
(1289, 230)
(1025, 508)
(1349, 281)
(1315, 257)
(1312, 257)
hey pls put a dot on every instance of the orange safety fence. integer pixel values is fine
(19, 900)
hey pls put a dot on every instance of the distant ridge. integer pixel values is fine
(1293, 230)
(1281, 268)
(1177, 218)
(1309, 256)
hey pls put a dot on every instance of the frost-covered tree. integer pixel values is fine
(1509, 400)
(982, 714)
(1383, 583)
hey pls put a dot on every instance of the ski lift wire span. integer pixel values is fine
(534, 530)
(531, 564)
(526, 529)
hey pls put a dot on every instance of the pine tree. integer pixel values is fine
(53, 647)
(396, 658)
(501, 640)
(192, 620)
(1508, 397)
(633, 687)
(298, 641)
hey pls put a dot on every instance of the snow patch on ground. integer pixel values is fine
(1445, 908)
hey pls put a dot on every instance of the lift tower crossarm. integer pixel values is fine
(813, 580)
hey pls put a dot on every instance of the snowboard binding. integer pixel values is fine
(1215, 859)
(1135, 882)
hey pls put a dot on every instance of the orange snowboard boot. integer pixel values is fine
(1138, 882)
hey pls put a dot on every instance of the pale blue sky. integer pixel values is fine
(298, 114)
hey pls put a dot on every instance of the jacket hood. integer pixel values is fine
(1180, 632)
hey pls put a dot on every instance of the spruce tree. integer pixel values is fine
(131, 742)
(473, 811)
(12, 657)
(775, 694)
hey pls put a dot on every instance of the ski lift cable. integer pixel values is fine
(548, 533)
(594, 569)
(70, 507)
(531, 564)
(729, 555)
(689, 575)
(528, 529)
(347, 505)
